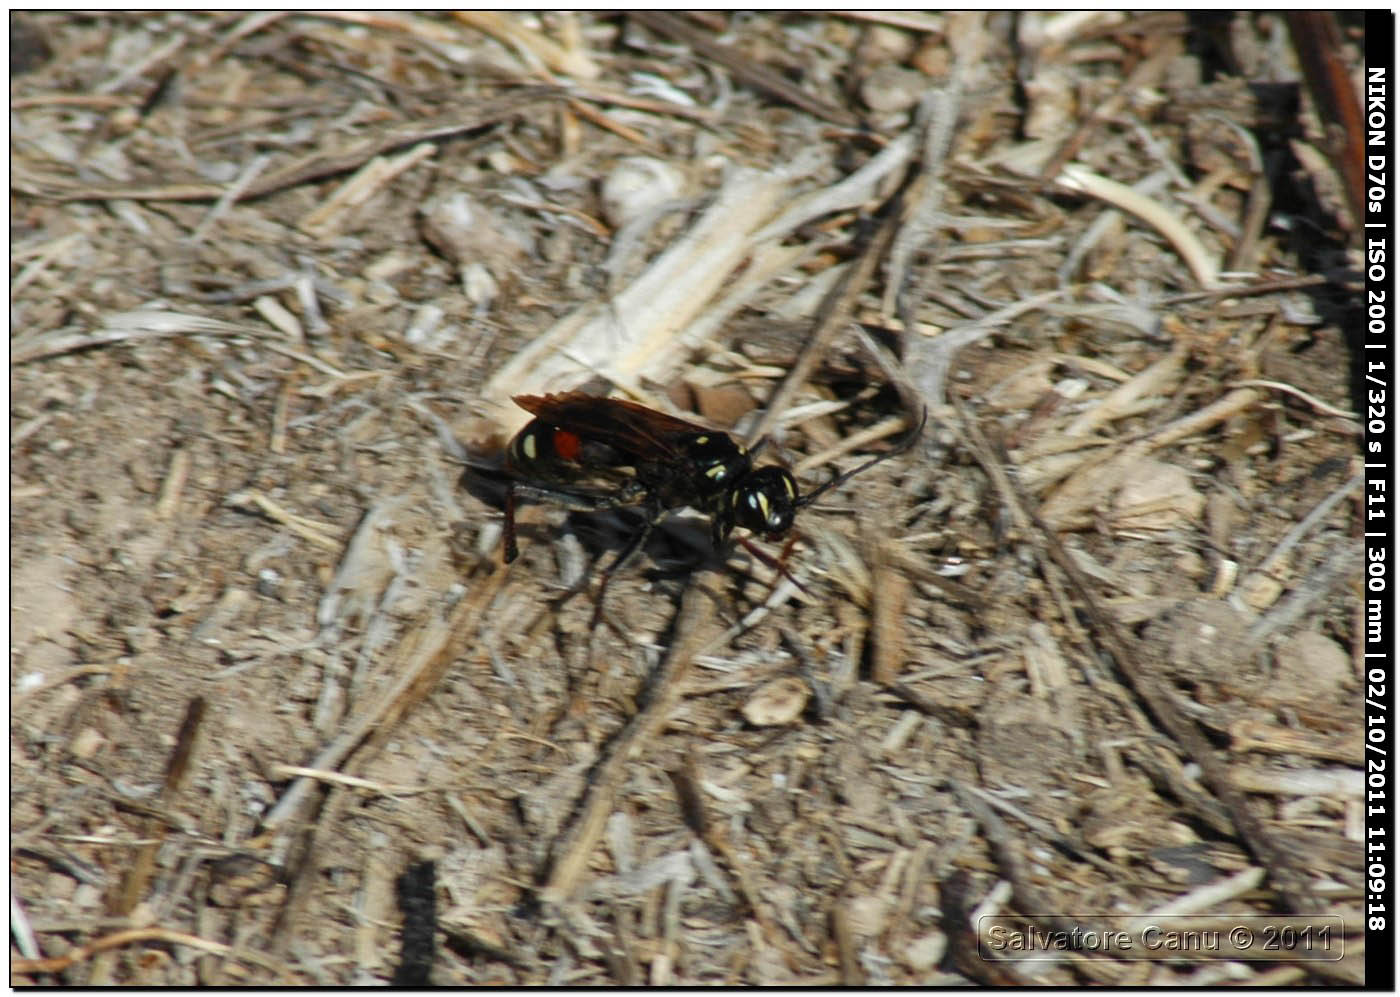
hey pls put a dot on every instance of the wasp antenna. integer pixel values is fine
(898, 449)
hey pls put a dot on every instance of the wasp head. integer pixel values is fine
(764, 502)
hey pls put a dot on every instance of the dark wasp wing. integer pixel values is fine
(627, 427)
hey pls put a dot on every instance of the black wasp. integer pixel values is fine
(588, 453)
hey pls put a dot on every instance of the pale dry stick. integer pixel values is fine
(153, 323)
(1155, 379)
(22, 930)
(1081, 180)
(785, 591)
(245, 179)
(713, 835)
(250, 290)
(277, 439)
(174, 483)
(1201, 899)
(469, 819)
(909, 20)
(616, 127)
(894, 372)
(1245, 290)
(51, 252)
(57, 964)
(852, 973)
(1170, 779)
(138, 324)
(764, 264)
(1342, 783)
(341, 381)
(432, 31)
(505, 28)
(591, 224)
(1316, 403)
(315, 362)
(636, 331)
(666, 108)
(276, 315)
(1070, 504)
(1029, 898)
(1256, 216)
(325, 220)
(930, 358)
(889, 598)
(282, 770)
(134, 70)
(97, 102)
(1099, 228)
(1256, 210)
(936, 117)
(849, 444)
(851, 192)
(1091, 365)
(306, 287)
(1308, 523)
(1248, 734)
(308, 529)
(1278, 978)
(251, 24)
(1046, 831)
(1061, 27)
(1202, 419)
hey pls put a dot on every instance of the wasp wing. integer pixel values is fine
(627, 427)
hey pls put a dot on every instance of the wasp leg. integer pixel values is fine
(637, 542)
(780, 563)
(573, 501)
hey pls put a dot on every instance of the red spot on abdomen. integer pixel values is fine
(566, 444)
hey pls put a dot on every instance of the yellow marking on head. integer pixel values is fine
(527, 445)
(702, 440)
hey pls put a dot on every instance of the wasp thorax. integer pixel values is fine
(722, 462)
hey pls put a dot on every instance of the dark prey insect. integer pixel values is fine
(587, 454)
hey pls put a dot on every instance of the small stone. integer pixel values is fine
(777, 703)
(86, 743)
(1259, 591)
(893, 88)
(269, 583)
(1156, 496)
(925, 952)
(636, 185)
(1313, 664)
